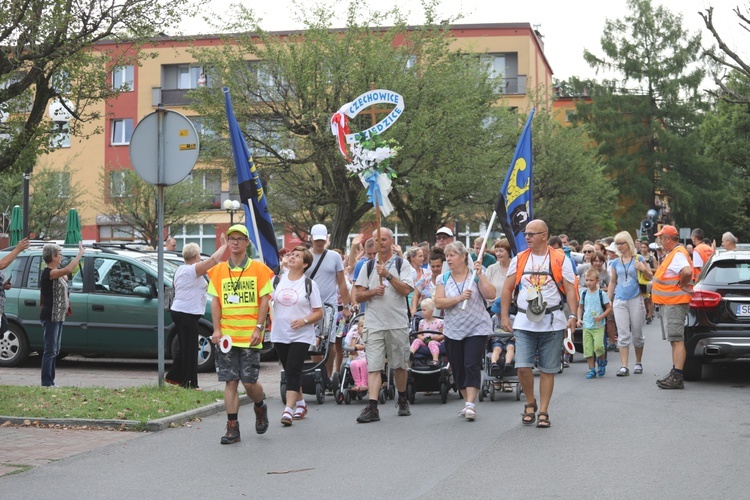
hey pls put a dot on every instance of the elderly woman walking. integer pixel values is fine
(625, 295)
(465, 330)
(188, 306)
(53, 287)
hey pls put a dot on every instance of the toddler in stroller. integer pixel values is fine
(428, 324)
(357, 358)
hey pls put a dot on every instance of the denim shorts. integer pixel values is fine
(547, 344)
(240, 363)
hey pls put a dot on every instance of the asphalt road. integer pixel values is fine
(610, 438)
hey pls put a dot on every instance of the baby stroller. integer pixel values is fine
(314, 376)
(423, 375)
(494, 382)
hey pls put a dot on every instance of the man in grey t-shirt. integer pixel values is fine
(386, 328)
(327, 270)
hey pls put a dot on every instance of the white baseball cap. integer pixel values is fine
(445, 230)
(319, 232)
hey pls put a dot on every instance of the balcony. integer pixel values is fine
(169, 97)
(515, 85)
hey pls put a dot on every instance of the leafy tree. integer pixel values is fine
(286, 100)
(131, 201)
(572, 192)
(645, 121)
(725, 132)
(46, 52)
(52, 195)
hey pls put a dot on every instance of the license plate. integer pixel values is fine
(743, 309)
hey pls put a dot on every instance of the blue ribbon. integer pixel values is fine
(373, 190)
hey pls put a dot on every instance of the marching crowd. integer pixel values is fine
(609, 287)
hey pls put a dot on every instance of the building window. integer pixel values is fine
(122, 79)
(62, 183)
(191, 77)
(117, 183)
(122, 130)
(59, 136)
(200, 126)
(116, 233)
(570, 115)
(210, 180)
(202, 234)
(264, 134)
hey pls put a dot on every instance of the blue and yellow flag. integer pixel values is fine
(252, 195)
(514, 202)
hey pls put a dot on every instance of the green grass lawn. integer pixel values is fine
(141, 404)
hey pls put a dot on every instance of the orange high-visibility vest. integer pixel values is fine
(239, 290)
(667, 291)
(705, 252)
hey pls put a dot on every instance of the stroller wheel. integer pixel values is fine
(347, 397)
(338, 396)
(320, 394)
(410, 393)
(518, 392)
(381, 396)
(444, 392)
(282, 389)
(492, 392)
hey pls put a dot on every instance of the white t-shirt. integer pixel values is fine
(327, 275)
(679, 261)
(389, 311)
(189, 291)
(290, 303)
(697, 259)
(549, 291)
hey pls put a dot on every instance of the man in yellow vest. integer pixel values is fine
(672, 289)
(701, 252)
(241, 289)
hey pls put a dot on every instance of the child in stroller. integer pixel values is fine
(430, 324)
(357, 358)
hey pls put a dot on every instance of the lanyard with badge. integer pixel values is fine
(234, 298)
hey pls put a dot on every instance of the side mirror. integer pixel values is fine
(143, 291)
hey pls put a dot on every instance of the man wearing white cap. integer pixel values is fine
(443, 236)
(327, 270)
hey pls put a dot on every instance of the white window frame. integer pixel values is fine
(123, 78)
(63, 183)
(206, 236)
(117, 184)
(122, 131)
(59, 136)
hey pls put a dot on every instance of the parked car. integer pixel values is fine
(113, 296)
(718, 324)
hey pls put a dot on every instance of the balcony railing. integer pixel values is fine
(515, 85)
(169, 97)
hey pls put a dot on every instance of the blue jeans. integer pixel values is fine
(52, 341)
(547, 344)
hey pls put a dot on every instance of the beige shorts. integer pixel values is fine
(673, 322)
(390, 344)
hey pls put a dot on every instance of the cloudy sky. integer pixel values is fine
(567, 27)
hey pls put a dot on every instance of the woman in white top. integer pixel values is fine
(188, 307)
(465, 329)
(297, 306)
(497, 272)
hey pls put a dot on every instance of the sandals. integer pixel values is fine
(300, 412)
(286, 418)
(544, 421)
(638, 369)
(526, 417)
(623, 372)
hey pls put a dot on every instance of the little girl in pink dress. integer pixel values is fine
(358, 363)
(431, 340)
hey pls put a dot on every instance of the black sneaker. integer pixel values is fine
(403, 407)
(261, 418)
(494, 369)
(233, 433)
(673, 381)
(369, 414)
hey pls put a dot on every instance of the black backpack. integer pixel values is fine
(601, 298)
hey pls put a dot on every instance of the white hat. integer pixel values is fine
(319, 232)
(445, 230)
(536, 302)
(612, 247)
(654, 246)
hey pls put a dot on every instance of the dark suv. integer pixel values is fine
(718, 324)
(113, 295)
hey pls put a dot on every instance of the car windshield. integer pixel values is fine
(728, 272)
(153, 263)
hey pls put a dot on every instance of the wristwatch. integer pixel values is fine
(305, 320)
(389, 277)
(573, 316)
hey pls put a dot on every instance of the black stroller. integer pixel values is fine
(314, 377)
(494, 382)
(423, 374)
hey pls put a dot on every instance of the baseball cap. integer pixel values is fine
(668, 230)
(238, 228)
(612, 247)
(319, 232)
(445, 230)
(536, 307)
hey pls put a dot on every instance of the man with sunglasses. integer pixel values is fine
(542, 273)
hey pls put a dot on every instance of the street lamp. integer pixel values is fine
(231, 206)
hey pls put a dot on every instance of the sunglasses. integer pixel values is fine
(588, 251)
(531, 235)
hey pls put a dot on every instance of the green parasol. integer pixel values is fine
(73, 228)
(16, 226)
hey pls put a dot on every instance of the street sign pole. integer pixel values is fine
(160, 233)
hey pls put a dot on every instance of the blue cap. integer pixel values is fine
(495, 308)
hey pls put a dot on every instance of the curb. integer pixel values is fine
(129, 425)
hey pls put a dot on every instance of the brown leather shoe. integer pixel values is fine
(233, 433)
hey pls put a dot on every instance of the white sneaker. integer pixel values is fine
(470, 413)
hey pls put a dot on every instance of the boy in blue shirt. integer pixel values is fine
(592, 309)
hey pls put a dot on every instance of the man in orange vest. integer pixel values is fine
(241, 289)
(672, 289)
(541, 275)
(701, 251)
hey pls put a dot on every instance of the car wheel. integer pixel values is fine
(693, 369)
(206, 352)
(14, 346)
